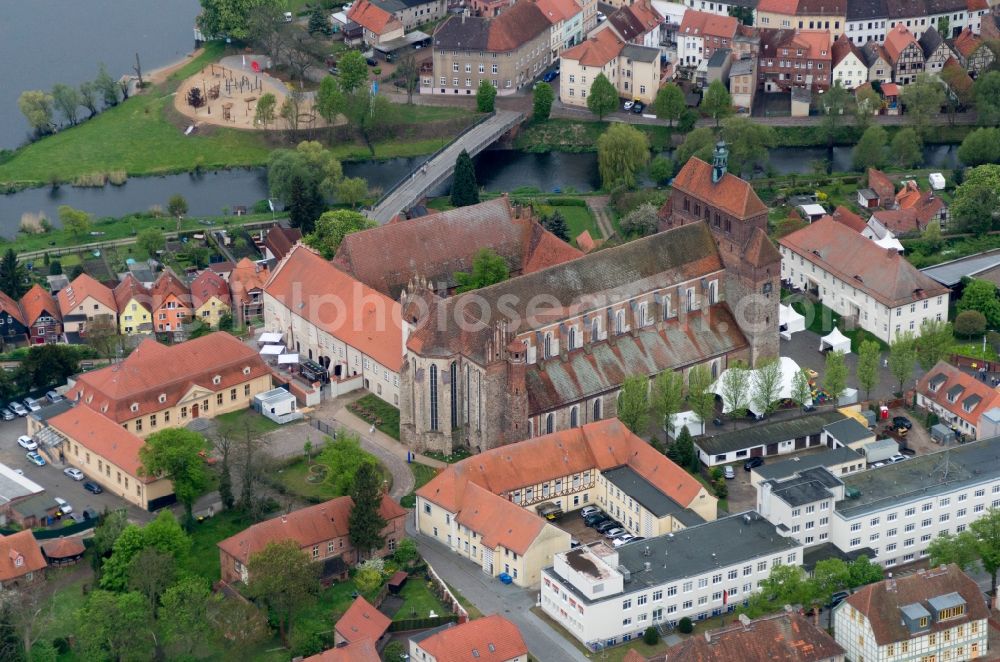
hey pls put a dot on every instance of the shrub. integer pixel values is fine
(970, 323)
(685, 626)
(651, 636)
(117, 177)
(566, 202)
(394, 650)
(32, 223)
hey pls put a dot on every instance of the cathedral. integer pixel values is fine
(550, 350)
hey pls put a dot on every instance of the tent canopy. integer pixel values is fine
(789, 368)
(269, 338)
(272, 350)
(835, 341)
(789, 320)
(288, 358)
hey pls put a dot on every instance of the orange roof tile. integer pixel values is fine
(778, 6)
(209, 284)
(306, 526)
(246, 277)
(890, 89)
(516, 26)
(103, 437)
(21, 545)
(489, 639)
(548, 251)
(879, 182)
(788, 637)
(325, 296)
(168, 287)
(557, 11)
(897, 40)
(597, 50)
(372, 17)
(152, 370)
(130, 289)
(361, 651)
(699, 23)
(966, 389)
(362, 621)
(967, 43)
(731, 193)
(63, 548)
(845, 216)
(37, 302)
(498, 522)
(82, 288)
(908, 196)
(585, 241)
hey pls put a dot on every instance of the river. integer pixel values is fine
(43, 42)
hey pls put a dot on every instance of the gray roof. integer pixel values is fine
(951, 273)
(649, 496)
(801, 94)
(742, 67)
(946, 601)
(37, 506)
(789, 467)
(809, 486)
(719, 57)
(641, 53)
(862, 9)
(827, 550)
(929, 41)
(848, 431)
(921, 477)
(693, 551)
(393, 6)
(54, 409)
(14, 486)
(914, 611)
(768, 433)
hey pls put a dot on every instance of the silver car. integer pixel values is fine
(18, 408)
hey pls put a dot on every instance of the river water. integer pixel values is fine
(43, 42)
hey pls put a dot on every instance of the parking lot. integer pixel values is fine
(572, 523)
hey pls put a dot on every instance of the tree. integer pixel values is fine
(541, 101)
(406, 552)
(801, 390)
(867, 368)
(970, 323)
(365, 524)
(717, 103)
(556, 224)
(36, 106)
(331, 101)
(767, 380)
(669, 103)
(48, 365)
(667, 398)
(486, 96)
(980, 146)
(685, 626)
(736, 381)
(318, 20)
(351, 191)
(74, 221)
(907, 148)
(333, 226)
(700, 399)
(229, 18)
(987, 93)
(151, 240)
(163, 534)
(264, 114)
(979, 295)
(931, 236)
(66, 99)
(106, 87)
(187, 602)
(344, 458)
(488, 268)
(833, 104)
(368, 577)
(290, 110)
(922, 99)
(284, 579)
(309, 165)
(866, 101)
(176, 454)
(960, 549)
(115, 627)
(934, 342)
(408, 75)
(835, 375)
(700, 143)
(602, 97)
(986, 531)
(641, 221)
(107, 531)
(633, 404)
(902, 357)
(238, 622)
(464, 189)
(13, 275)
(862, 571)
(976, 205)
(661, 169)
(151, 573)
(748, 142)
(88, 97)
(55, 268)
(102, 335)
(622, 152)
(177, 206)
(305, 204)
(829, 576)
(870, 150)
(682, 451)
(353, 71)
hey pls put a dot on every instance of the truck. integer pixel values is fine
(880, 450)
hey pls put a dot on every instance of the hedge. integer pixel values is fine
(421, 623)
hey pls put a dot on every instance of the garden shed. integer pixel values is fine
(942, 434)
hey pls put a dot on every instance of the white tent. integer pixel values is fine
(790, 321)
(288, 358)
(272, 350)
(269, 338)
(689, 420)
(789, 368)
(835, 342)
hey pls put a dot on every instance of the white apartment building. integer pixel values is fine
(720, 7)
(932, 615)
(856, 278)
(606, 596)
(871, 21)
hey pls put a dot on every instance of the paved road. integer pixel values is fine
(441, 165)
(492, 597)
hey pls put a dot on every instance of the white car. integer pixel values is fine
(896, 458)
(616, 532)
(628, 105)
(622, 540)
(18, 408)
(32, 404)
(27, 443)
(73, 473)
(64, 506)
(589, 510)
(729, 472)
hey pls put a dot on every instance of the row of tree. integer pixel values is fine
(39, 107)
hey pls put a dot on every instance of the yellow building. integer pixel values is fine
(803, 15)
(133, 301)
(633, 70)
(210, 298)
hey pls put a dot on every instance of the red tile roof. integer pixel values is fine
(632, 22)
(955, 75)
(845, 216)
(63, 548)
(493, 638)
(82, 287)
(306, 526)
(153, 370)
(372, 17)
(169, 287)
(881, 602)
(19, 546)
(103, 437)
(516, 26)
(778, 6)
(971, 392)
(209, 284)
(967, 43)
(279, 240)
(879, 182)
(585, 241)
(597, 50)
(247, 276)
(498, 522)
(362, 651)
(898, 39)
(700, 24)
(37, 302)
(557, 11)
(732, 194)
(843, 47)
(897, 221)
(362, 621)
(890, 90)
(330, 299)
(131, 289)
(549, 250)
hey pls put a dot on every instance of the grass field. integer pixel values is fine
(204, 557)
(373, 408)
(418, 601)
(578, 219)
(246, 419)
(422, 475)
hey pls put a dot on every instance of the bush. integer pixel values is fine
(685, 626)
(393, 651)
(566, 202)
(970, 323)
(307, 637)
(651, 636)
(721, 488)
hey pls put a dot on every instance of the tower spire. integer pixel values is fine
(720, 162)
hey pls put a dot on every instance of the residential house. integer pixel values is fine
(870, 20)
(866, 21)
(135, 313)
(170, 301)
(881, 192)
(701, 34)
(41, 315)
(849, 68)
(851, 275)
(158, 387)
(959, 399)
(492, 639)
(210, 298)
(489, 8)
(990, 28)
(743, 82)
(933, 614)
(723, 7)
(973, 53)
(380, 26)
(789, 636)
(489, 508)
(434, 247)
(361, 622)
(927, 205)
(877, 61)
(636, 23)
(718, 66)
(21, 560)
(905, 55)
(633, 70)
(246, 284)
(278, 240)
(340, 323)
(790, 58)
(107, 453)
(413, 13)
(509, 50)
(815, 15)
(320, 531)
(936, 51)
(363, 651)
(958, 81)
(566, 20)
(85, 301)
(15, 488)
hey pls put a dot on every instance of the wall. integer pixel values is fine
(211, 312)
(135, 318)
(113, 478)
(534, 55)
(92, 309)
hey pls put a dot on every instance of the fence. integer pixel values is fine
(447, 596)
(422, 623)
(49, 534)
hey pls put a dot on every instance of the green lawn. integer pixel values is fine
(247, 418)
(204, 557)
(295, 479)
(65, 602)
(577, 218)
(821, 320)
(459, 455)
(564, 135)
(418, 601)
(422, 475)
(965, 347)
(376, 410)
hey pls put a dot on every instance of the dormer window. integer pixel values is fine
(18, 560)
(162, 398)
(134, 407)
(217, 380)
(246, 370)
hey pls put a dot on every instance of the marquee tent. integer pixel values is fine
(835, 341)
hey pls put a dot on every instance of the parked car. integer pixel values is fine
(876, 465)
(90, 513)
(896, 458)
(607, 525)
(333, 71)
(27, 443)
(589, 510)
(18, 408)
(35, 458)
(613, 533)
(901, 422)
(7, 414)
(371, 62)
(729, 472)
(92, 487)
(550, 76)
(64, 507)
(54, 396)
(32, 404)
(907, 451)
(753, 463)
(595, 519)
(628, 105)
(623, 540)
(638, 107)
(837, 598)
(73, 473)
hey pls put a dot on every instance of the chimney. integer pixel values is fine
(892, 252)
